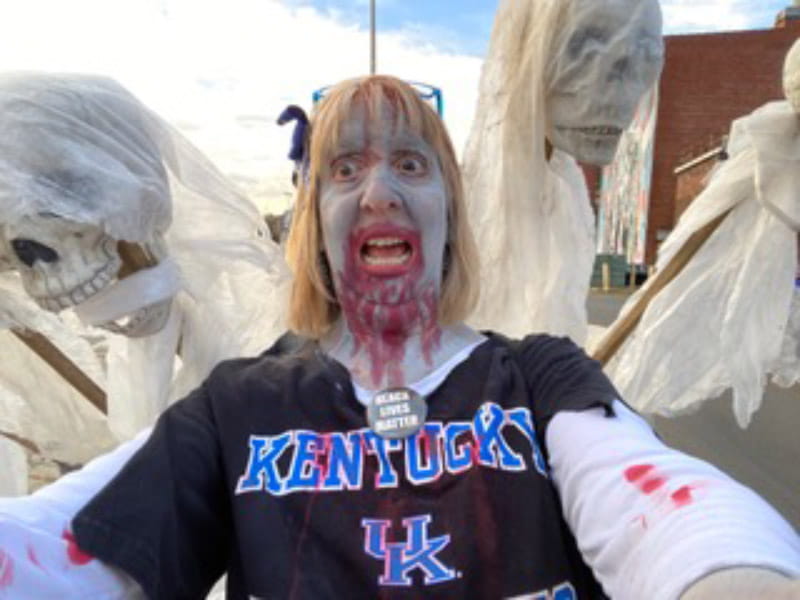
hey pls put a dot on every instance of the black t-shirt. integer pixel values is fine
(270, 472)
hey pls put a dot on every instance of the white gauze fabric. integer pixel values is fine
(729, 319)
(533, 223)
(35, 402)
(82, 150)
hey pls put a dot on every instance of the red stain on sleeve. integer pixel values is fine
(6, 570)
(76, 556)
(636, 472)
(33, 558)
(682, 496)
(651, 485)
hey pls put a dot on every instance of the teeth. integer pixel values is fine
(384, 241)
(601, 130)
(80, 293)
(386, 260)
(608, 130)
(77, 296)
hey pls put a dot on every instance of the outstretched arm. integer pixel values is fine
(655, 523)
(38, 555)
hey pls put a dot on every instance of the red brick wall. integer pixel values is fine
(592, 175)
(708, 81)
(689, 183)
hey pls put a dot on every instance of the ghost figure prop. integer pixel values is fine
(78, 175)
(607, 57)
(571, 72)
(731, 318)
(88, 173)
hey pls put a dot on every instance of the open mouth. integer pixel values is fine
(386, 251)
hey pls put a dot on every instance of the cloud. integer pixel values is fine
(688, 16)
(222, 72)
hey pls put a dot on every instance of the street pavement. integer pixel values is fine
(765, 456)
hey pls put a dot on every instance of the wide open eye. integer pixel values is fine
(411, 164)
(346, 168)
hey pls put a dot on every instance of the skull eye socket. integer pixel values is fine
(30, 251)
(588, 38)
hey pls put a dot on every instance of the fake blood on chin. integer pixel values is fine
(385, 299)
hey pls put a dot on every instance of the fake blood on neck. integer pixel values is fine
(385, 305)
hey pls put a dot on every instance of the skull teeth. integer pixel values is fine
(81, 292)
(606, 130)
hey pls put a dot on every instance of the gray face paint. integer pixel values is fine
(383, 180)
(791, 76)
(383, 214)
(609, 54)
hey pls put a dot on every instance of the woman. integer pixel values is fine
(395, 452)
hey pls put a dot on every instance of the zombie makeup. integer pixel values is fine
(383, 213)
(609, 55)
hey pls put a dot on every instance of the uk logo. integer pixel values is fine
(401, 558)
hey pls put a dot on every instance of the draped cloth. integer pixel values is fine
(532, 219)
(85, 149)
(731, 318)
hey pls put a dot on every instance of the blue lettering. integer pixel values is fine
(487, 423)
(564, 591)
(381, 447)
(261, 471)
(521, 417)
(457, 458)
(400, 558)
(417, 470)
(305, 472)
(346, 460)
(338, 460)
(375, 537)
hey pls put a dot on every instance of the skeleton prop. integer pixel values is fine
(730, 319)
(571, 72)
(105, 209)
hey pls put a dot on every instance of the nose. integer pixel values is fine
(620, 69)
(379, 196)
(30, 251)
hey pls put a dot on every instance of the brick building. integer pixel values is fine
(709, 80)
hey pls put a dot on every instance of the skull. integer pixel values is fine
(791, 76)
(61, 262)
(78, 175)
(606, 56)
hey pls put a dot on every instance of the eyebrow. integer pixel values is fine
(348, 143)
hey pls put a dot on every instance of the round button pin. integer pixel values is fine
(397, 413)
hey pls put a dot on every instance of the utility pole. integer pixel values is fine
(372, 37)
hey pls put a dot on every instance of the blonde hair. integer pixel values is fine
(313, 307)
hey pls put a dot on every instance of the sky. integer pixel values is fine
(221, 72)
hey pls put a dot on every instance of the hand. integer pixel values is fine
(744, 583)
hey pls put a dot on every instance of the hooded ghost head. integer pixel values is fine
(604, 58)
(79, 173)
(571, 71)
